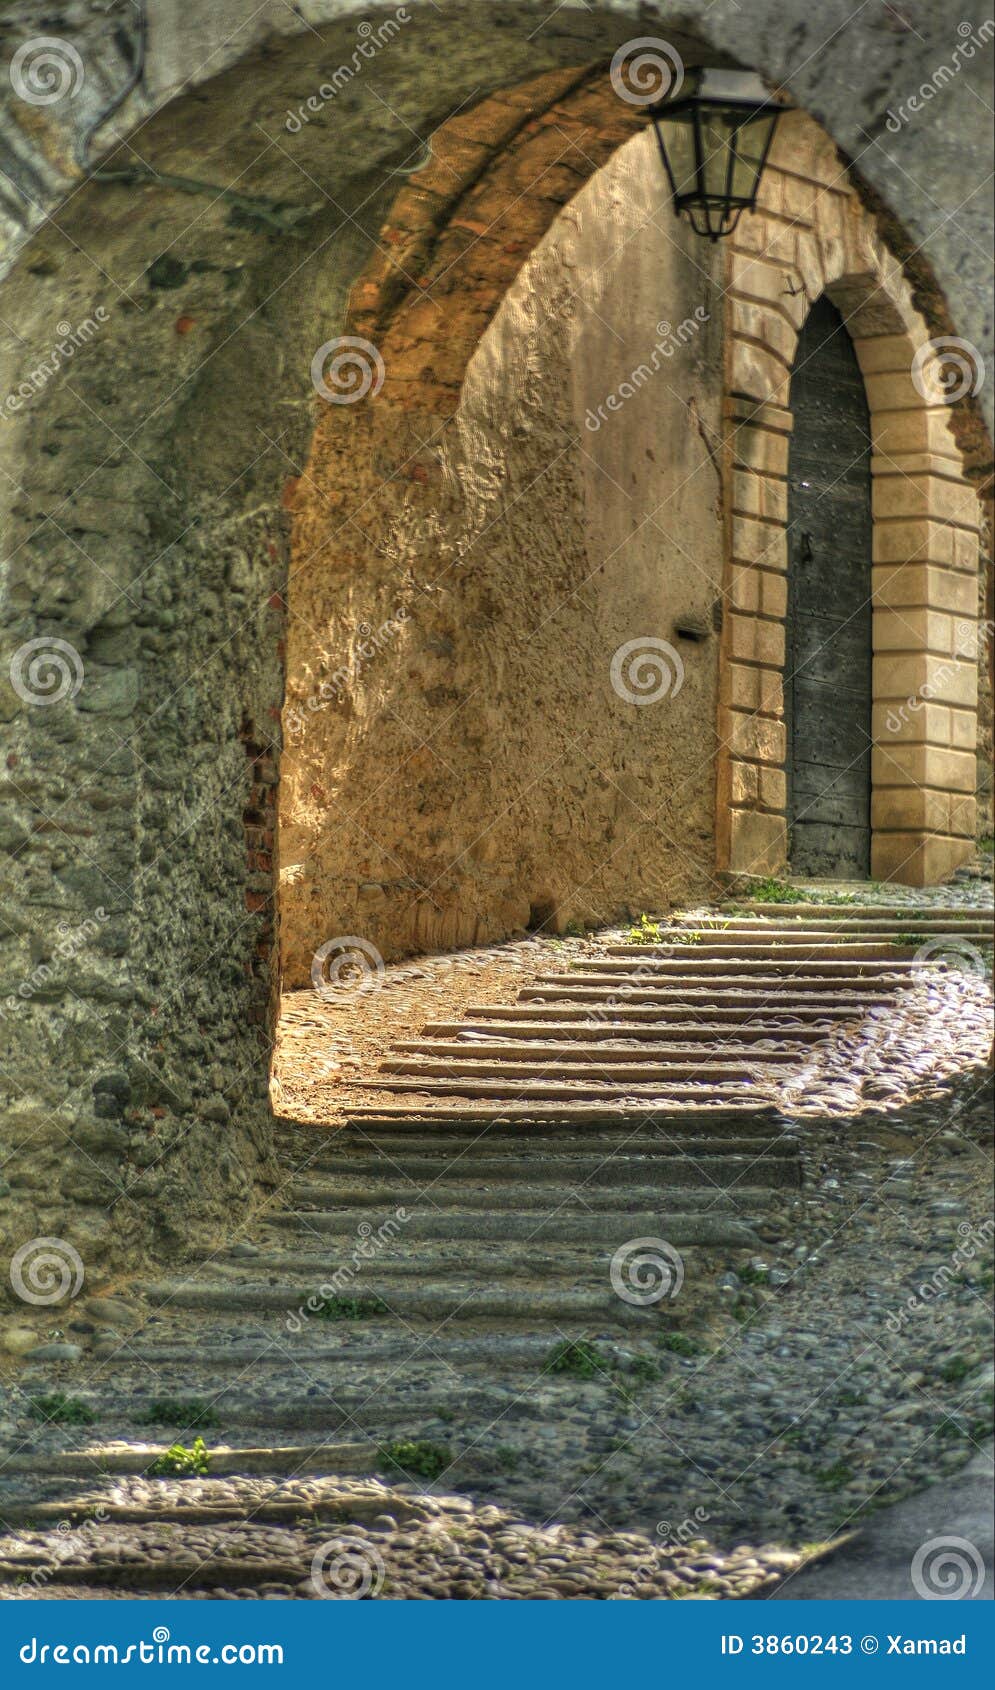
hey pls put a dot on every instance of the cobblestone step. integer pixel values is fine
(945, 915)
(587, 1216)
(849, 1002)
(213, 1537)
(744, 929)
(726, 971)
(456, 1299)
(755, 948)
(686, 1163)
(512, 1090)
(192, 1500)
(388, 1123)
(245, 1410)
(538, 1025)
(578, 1052)
(349, 1350)
(609, 1067)
(136, 1458)
(633, 1097)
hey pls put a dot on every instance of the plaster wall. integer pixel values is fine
(478, 772)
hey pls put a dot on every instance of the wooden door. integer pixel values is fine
(828, 648)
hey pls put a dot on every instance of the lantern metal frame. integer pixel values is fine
(714, 211)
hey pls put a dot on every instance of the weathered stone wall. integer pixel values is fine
(471, 769)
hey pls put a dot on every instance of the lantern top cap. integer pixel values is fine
(706, 84)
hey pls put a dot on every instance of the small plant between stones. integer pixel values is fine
(416, 1456)
(349, 1308)
(60, 1410)
(679, 1344)
(178, 1462)
(578, 1358)
(645, 931)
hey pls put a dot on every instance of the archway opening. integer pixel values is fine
(827, 691)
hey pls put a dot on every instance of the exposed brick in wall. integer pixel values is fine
(812, 234)
(459, 233)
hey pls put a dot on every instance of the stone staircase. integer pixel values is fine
(539, 1201)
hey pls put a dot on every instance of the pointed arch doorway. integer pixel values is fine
(828, 681)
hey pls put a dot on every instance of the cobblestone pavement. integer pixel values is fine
(474, 1411)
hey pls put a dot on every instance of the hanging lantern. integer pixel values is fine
(714, 140)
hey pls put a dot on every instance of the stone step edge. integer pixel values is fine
(524, 1031)
(756, 949)
(479, 1304)
(506, 1350)
(575, 1051)
(749, 969)
(639, 1070)
(855, 911)
(580, 1090)
(527, 1117)
(496, 1157)
(359, 1507)
(478, 1228)
(101, 1461)
(735, 992)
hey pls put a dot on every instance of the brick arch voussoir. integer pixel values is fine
(460, 231)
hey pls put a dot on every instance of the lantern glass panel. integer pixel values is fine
(751, 142)
(676, 133)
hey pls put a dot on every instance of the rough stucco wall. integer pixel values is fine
(478, 770)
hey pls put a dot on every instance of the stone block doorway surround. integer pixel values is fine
(812, 235)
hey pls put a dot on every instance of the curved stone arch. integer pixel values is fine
(496, 179)
(812, 235)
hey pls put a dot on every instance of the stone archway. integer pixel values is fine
(812, 236)
(222, 247)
